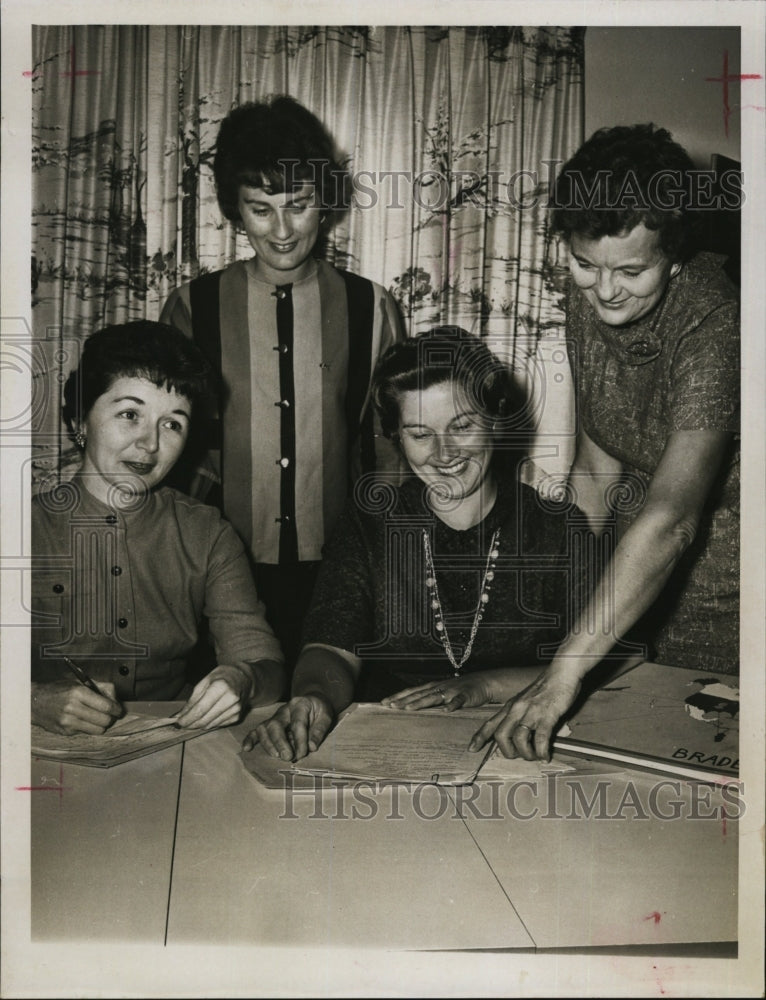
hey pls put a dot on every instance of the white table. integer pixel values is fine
(185, 846)
(102, 848)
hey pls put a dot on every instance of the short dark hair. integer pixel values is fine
(624, 176)
(442, 354)
(276, 144)
(142, 349)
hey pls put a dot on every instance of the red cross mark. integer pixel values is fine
(72, 72)
(725, 79)
(60, 788)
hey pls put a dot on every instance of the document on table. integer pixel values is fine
(386, 744)
(131, 736)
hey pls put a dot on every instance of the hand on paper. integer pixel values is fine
(218, 699)
(524, 725)
(296, 728)
(66, 708)
(458, 692)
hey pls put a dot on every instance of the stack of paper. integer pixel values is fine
(129, 737)
(376, 743)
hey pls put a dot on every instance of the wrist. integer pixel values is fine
(240, 678)
(491, 685)
(268, 681)
(569, 669)
(313, 691)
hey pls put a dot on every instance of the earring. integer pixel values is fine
(79, 439)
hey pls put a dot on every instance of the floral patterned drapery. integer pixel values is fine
(451, 134)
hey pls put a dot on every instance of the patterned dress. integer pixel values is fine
(676, 369)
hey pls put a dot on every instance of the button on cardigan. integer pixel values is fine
(296, 427)
(179, 562)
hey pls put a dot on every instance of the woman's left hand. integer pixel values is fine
(524, 726)
(458, 692)
(218, 699)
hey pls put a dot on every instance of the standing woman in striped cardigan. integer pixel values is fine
(295, 341)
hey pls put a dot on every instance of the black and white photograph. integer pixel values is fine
(383, 524)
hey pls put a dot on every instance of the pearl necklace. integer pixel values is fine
(486, 586)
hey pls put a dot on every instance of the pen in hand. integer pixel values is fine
(67, 709)
(82, 676)
(87, 681)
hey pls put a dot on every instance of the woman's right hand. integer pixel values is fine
(525, 725)
(64, 708)
(296, 728)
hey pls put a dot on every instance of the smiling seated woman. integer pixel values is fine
(442, 582)
(124, 570)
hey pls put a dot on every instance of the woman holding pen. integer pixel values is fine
(127, 574)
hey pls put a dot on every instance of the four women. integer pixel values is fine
(442, 585)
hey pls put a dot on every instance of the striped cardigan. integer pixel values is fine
(294, 427)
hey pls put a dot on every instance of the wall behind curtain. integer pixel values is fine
(449, 131)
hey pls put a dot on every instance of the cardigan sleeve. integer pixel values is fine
(342, 611)
(387, 332)
(556, 532)
(177, 310)
(235, 614)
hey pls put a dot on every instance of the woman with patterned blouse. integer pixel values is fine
(654, 341)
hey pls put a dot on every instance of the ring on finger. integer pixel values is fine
(441, 692)
(523, 725)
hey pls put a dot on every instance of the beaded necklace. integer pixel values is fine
(486, 586)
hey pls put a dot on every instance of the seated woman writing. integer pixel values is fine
(441, 582)
(125, 571)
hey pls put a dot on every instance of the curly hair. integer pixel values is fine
(442, 354)
(624, 176)
(276, 144)
(142, 349)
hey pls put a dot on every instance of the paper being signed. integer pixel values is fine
(131, 736)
